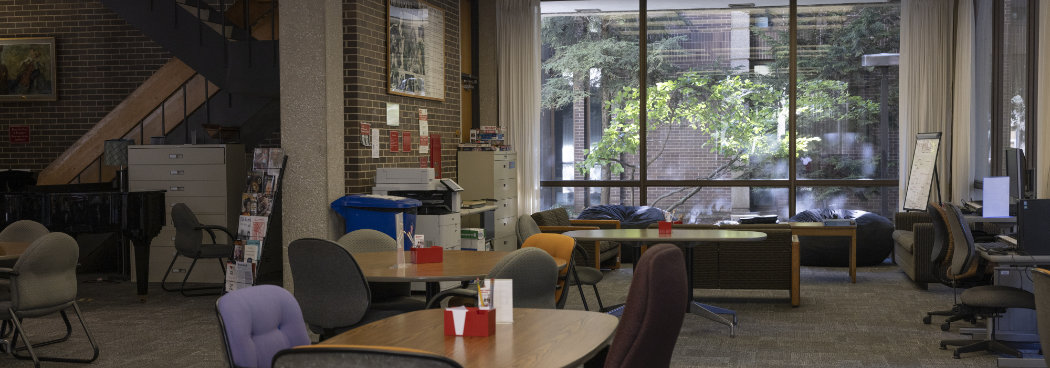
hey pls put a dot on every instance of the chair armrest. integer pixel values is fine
(7, 272)
(922, 252)
(562, 229)
(905, 220)
(605, 224)
(210, 228)
(436, 300)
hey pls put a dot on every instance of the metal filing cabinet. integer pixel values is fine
(493, 175)
(208, 178)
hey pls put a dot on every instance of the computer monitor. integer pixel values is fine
(1015, 169)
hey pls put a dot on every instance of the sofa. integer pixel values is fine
(602, 255)
(913, 246)
(770, 264)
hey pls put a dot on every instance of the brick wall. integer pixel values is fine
(101, 59)
(365, 95)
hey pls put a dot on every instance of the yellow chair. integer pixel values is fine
(560, 247)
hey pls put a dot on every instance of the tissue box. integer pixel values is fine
(427, 255)
(472, 239)
(479, 322)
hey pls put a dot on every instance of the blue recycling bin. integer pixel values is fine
(370, 211)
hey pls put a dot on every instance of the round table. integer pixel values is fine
(537, 338)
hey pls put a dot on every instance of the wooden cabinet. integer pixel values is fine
(492, 175)
(208, 178)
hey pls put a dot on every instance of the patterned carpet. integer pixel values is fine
(873, 323)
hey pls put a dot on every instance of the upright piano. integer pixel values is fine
(89, 208)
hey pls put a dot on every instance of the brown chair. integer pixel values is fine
(603, 253)
(560, 247)
(653, 314)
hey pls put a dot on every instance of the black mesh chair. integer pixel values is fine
(43, 282)
(940, 262)
(189, 242)
(330, 288)
(360, 356)
(989, 301)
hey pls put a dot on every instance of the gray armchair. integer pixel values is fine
(43, 281)
(189, 242)
(385, 295)
(913, 245)
(604, 254)
(534, 273)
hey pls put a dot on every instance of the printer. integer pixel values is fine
(438, 218)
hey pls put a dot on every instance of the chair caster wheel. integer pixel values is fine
(946, 326)
(927, 320)
(944, 347)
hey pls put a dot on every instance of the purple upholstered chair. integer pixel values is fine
(257, 322)
(652, 316)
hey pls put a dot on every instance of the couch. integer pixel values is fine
(771, 264)
(602, 255)
(913, 245)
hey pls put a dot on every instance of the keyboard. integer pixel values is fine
(995, 246)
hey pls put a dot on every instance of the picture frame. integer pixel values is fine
(27, 69)
(415, 49)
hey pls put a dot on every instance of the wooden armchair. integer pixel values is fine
(556, 220)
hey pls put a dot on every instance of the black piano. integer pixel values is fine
(92, 208)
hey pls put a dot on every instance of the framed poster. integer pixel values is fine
(27, 69)
(415, 49)
(923, 171)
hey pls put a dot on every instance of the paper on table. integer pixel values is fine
(459, 318)
(996, 195)
(503, 300)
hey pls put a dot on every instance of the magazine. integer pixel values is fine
(252, 249)
(255, 182)
(264, 205)
(261, 159)
(276, 158)
(258, 227)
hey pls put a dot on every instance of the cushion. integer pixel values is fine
(630, 217)
(905, 239)
(995, 296)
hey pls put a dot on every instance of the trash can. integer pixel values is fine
(371, 211)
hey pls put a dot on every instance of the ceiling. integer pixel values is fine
(592, 6)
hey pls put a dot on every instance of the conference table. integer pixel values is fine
(10, 251)
(537, 338)
(456, 265)
(687, 238)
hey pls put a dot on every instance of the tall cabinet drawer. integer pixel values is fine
(493, 176)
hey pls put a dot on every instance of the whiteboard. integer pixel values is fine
(923, 163)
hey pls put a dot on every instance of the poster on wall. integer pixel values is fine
(27, 69)
(415, 49)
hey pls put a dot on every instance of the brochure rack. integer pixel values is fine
(259, 204)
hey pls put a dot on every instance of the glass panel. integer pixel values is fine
(1015, 72)
(575, 200)
(880, 200)
(717, 92)
(709, 205)
(981, 140)
(847, 104)
(589, 54)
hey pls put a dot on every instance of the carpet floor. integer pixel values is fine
(873, 323)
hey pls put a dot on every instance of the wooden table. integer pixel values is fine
(537, 338)
(688, 238)
(456, 265)
(10, 251)
(818, 229)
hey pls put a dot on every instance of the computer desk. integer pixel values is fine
(1016, 324)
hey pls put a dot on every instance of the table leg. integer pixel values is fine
(704, 310)
(141, 267)
(853, 257)
(432, 289)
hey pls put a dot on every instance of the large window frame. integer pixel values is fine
(792, 183)
(998, 125)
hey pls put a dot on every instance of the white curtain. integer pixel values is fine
(1042, 170)
(518, 53)
(963, 114)
(926, 77)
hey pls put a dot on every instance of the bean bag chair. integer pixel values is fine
(630, 217)
(874, 239)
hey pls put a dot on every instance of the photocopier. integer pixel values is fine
(438, 218)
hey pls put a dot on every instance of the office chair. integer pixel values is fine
(385, 295)
(360, 356)
(534, 274)
(44, 281)
(586, 275)
(940, 257)
(989, 301)
(330, 288)
(558, 246)
(653, 314)
(1041, 288)
(257, 322)
(189, 242)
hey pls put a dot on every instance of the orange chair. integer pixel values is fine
(560, 247)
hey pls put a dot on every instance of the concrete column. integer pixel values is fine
(311, 38)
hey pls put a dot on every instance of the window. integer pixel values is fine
(718, 91)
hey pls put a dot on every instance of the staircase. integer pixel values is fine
(222, 85)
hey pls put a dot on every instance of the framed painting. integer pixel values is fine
(415, 49)
(27, 69)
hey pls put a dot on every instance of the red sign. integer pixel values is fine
(406, 137)
(18, 134)
(395, 140)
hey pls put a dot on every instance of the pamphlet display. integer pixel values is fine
(262, 185)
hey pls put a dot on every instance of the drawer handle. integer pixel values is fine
(174, 156)
(176, 189)
(177, 172)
